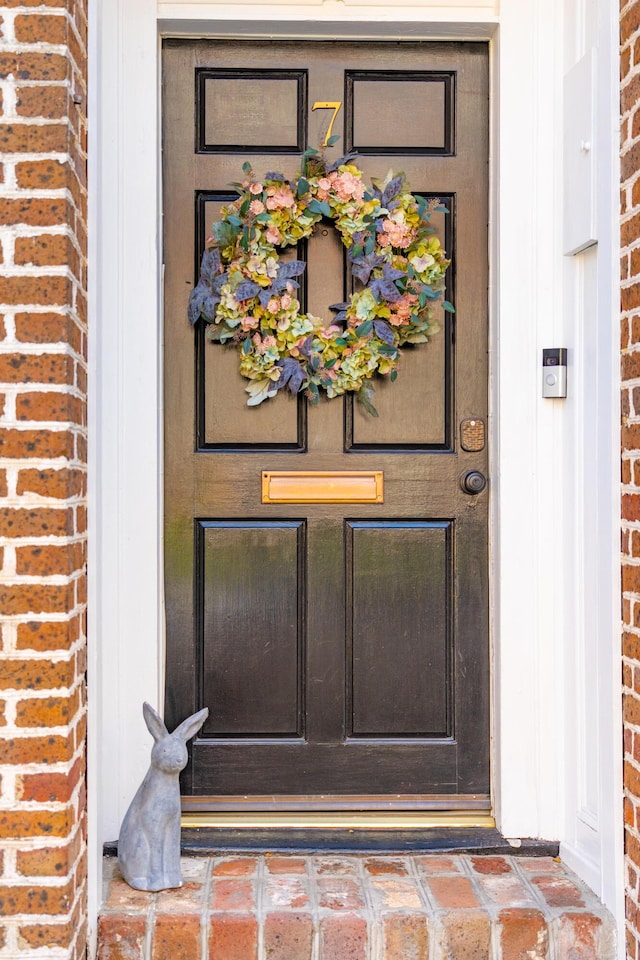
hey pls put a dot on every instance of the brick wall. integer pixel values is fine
(630, 349)
(42, 476)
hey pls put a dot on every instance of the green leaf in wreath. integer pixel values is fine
(364, 328)
(319, 206)
(365, 394)
(393, 376)
(334, 139)
(303, 187)
(246, 346)
(246, 167)
(233, 220)
(449, 307)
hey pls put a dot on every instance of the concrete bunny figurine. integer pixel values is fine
(149, 844)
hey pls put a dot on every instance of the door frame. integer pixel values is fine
(542, 754)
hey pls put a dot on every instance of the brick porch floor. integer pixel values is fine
(358, 907)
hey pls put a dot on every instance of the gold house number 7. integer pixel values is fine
(328, 105)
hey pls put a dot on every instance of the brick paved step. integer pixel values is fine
(358, 907)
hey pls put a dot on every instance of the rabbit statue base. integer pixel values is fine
(149, 843)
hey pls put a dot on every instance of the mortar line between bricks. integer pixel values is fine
(150, 927)
(375, 933)
(544, 907)
(312, 890)
(424, 892)
(205, 913)
(261, 879)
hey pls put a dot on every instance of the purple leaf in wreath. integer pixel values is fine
(362, 266)
(383, 331)
(385, 290)
(275, 175)
(305, 349)
(293, 375)
(210, 265)
(391, 191)
(198, 296)
(348, 157)
(247, 290)
(291, 268)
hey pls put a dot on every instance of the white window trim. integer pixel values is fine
(535, 707)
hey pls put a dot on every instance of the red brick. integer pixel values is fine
(343, 936)
(184, 899)
(631, 709)
(233, 937)
(233, 895)
(44, 444)
(48, 328)
(24, 900)
(48, 861)
(559, 891)
(494, 865)
(33, 66)
(41, 28)
(434, 863)
(48, 101)
(46, 561)
(406, 937)
(382, 865)
(176, 938)
(42, 636)
(288, 936)
(523, 935)
(578, 935)
(36, 368)
(16, 824)
(286, 865)
(125, 899)
(453, 892)
(240, 867)
(466, 935)
(44, 522)
(340, 893)
(47, 291)
(39, 935)
(50, 749)
(62, 484)
(55, 406)
(19, 674)
(50, 787)
(47, 711)
(31, 598)
(121, 937)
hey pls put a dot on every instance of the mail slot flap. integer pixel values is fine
(323, 486)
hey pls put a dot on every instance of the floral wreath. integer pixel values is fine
(248, 295)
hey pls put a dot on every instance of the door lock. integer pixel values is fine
(473, 482)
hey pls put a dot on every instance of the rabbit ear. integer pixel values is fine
(189, 727)
(154, 722)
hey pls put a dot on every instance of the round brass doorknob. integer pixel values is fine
(473, 482)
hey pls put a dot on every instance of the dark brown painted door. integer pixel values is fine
(342, 649)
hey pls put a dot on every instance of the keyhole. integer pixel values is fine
(325, 233)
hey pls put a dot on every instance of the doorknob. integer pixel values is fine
(473, 482)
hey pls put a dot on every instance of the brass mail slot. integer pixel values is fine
(323, 486)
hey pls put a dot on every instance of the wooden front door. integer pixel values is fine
(342, 648)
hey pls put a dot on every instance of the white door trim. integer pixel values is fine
(536, 721)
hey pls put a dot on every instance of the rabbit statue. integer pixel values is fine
(149, 843)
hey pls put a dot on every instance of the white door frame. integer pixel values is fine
(550, 779)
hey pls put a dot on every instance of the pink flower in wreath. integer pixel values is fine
(324, 188)
(402, 308)
(273, 235)
(347, 185)
(395, 233)
(274, 305)
(256, 206)
(255, 188)
(249, 323)
(281, 198)
(285, 301)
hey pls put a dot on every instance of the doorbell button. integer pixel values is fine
(554, 373)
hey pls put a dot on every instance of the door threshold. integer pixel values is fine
(338, 820)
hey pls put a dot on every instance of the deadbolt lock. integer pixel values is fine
(473, 482)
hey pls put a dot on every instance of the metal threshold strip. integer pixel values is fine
(337, 813)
